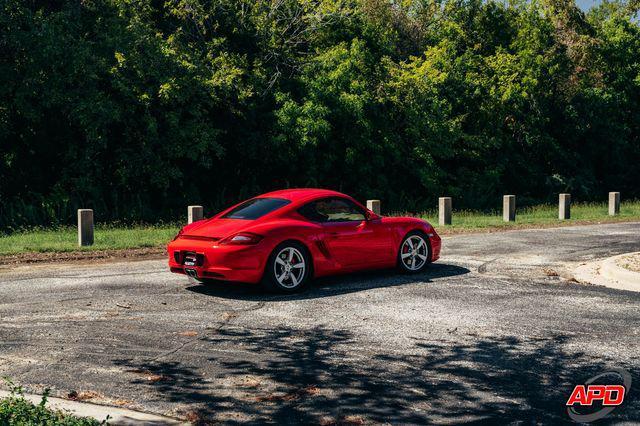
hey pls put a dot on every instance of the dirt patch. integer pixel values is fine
(75, 256)
(631, 262)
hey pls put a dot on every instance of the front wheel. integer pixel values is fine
(414, 253)
(288, 268)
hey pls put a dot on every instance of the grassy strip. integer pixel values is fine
(119, 238)
(106, 238)
(543, 215)
(16, 410)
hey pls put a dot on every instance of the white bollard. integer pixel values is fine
(444, 211)
(564, 207)
(509, 208)
(614, 203)
(85, 227)
(194, 213)
(374, 206)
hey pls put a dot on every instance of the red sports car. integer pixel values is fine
(285, 238)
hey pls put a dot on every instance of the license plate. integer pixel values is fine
(190, 259)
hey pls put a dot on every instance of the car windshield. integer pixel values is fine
(256, 208)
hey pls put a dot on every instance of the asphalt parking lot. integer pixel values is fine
(495, 331)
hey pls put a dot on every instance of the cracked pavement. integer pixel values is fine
(494, 331)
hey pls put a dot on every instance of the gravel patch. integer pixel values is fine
(631, 262)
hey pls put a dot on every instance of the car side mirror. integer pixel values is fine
(370, 216)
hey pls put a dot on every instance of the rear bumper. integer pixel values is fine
(222, 262)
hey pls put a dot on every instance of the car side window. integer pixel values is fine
(332, 210)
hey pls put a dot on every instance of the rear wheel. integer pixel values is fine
(414, 253)
(288, 268)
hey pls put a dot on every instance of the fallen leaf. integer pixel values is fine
(291, 396)
(85, 395)
(327, 421)
(193, 417)
(226, 316)
(149, 375)
(251, 383)
(343, 421)
(352, 420)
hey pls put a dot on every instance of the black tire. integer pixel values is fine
(295, 280)
(405, 265)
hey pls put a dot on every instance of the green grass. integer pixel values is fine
(105, 238)
(543, 215)
(115, 237)
(16, 410)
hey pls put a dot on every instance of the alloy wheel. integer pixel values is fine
(289, 267)
(414, 253)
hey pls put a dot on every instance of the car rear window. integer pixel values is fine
(256, 208)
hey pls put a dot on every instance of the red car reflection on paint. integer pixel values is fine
(285, 238)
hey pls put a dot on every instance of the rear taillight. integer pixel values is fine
(242, 238)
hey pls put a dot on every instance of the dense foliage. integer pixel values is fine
(139, 107)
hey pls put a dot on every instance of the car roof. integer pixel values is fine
(301, 194)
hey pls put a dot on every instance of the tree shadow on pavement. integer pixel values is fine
(331, 286)
(325, 376)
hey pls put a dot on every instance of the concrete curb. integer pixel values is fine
(117, 415)
(607, 273)
(628, 280)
